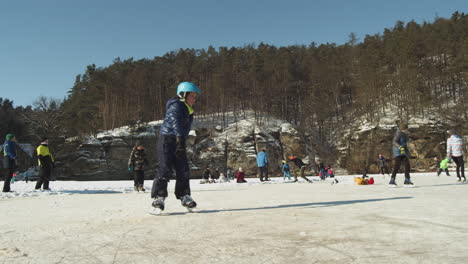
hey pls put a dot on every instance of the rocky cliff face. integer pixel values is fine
(105, 156)
(234, 143)
(359, 144)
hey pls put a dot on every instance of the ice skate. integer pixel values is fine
(135, 188)
(188, 203)
(158, 206)
(408, 183)
(459, 180)
(141, 188)
(392, 183)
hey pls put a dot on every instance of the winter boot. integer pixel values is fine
(408, 181)
(158, 203)
(392, 182)
(188, 202)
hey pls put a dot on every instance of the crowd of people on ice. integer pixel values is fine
(171, 152)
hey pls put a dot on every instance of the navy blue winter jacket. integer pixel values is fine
(400, 139)
(177, 121)
(9, 154)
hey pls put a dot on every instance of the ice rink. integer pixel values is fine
(275, 222)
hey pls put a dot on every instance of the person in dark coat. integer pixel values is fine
(9, 160)
(172, 147)
(382, 163)
(137, 163)
(46, 163)
(215, 176)
(206, 176)
(301, 165)
(401, 154)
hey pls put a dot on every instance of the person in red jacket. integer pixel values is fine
(240, 176)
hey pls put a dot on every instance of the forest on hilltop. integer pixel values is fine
(414, 67)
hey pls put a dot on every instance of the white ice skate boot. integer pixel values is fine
(158, 206)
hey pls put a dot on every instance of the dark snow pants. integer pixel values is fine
(460, 165)
(263, 171)
(44, 177)
(383, 170)
(168, 162)
(439, 171)
(398, 161)
(139, 178)
(8, 174)
(302, 174)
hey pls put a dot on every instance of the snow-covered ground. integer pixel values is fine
(106, 222)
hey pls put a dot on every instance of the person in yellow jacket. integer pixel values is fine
(46, 162)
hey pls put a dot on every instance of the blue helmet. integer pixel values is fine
(187, 87)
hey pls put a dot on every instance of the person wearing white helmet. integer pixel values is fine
(171, 148)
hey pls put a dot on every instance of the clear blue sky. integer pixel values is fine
(44, 44)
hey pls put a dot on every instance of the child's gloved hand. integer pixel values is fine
(402, 150)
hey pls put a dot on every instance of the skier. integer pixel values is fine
(240, 177)
(46, 163)
(137, 163)
(9, 160)
(401, 154)
(172, 149)
(443, 166)
(382, 163)
(455, 152)
(262, 163)
(301, 165)
(286, 170)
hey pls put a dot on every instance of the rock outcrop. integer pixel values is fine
(359, 144)
(105, 156)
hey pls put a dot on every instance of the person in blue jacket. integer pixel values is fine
(9, 160)
(262, 163)
(171, 149)
(401, 154)
(286, 170)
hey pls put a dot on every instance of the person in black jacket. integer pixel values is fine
(401, 154)
(206, 176)
(382, 163)
(9, 160)
(137, 163)
(172, 147)
(301, 165)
